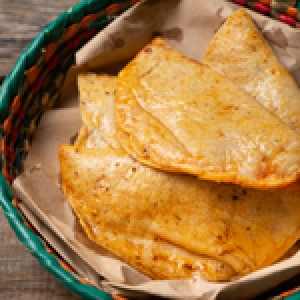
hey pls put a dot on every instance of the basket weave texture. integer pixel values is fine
(31, 88)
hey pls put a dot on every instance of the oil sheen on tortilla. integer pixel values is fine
(240, 52)
(106, 223)
(176, 114)
(97, 94)
(245, 229)
(114, 196)
(157, 258)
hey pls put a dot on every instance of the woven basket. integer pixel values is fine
(31, 88)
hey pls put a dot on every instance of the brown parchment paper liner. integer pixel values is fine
(189, 26)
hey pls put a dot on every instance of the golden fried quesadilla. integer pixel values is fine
(240, 52)
(112, 194)
(177, 114)
(151, 255)
(104, 221)
(97, 93)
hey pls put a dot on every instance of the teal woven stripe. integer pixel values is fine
(295, 296)
(37, 249)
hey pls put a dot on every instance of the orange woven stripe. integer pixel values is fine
(287, 293)
(71, 31)
(265, 2)
(88, 19)
(85, 281)
(292, 12)
(5, 173)
(16, 104)
(117, 297)
(7, 126)
(66, 266)
(49, 250)
(32, 74)
(28, 225)
(113, 9)
(50, 50)
(3, 146)
(15, 203)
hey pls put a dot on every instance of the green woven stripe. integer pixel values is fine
(35, 48)
(76, 13)
(54, 29)
(295, 296)
(5, 95)
(94, 5)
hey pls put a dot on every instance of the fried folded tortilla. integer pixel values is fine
(97, 93)
(117, 198)
(176, 114)
(105, 224)
(152, 255)
(91, 138)
(240, 52)
(262, 227)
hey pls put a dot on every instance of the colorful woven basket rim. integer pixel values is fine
(25, 73)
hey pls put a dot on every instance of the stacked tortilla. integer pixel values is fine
(179, 170)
